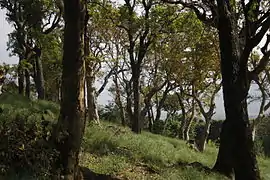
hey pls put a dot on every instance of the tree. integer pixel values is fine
(32, 20)
(141, 30)
(241, 26)
(70, 126)
(206, 79)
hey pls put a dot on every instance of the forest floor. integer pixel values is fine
(115, 150)
(111, 149)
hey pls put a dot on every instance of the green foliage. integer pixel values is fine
(110, 112)
(262, 139)
(24, 146)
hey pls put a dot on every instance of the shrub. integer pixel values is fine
(25, 148)
(24, 144)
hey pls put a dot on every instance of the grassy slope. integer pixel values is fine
(110, 149)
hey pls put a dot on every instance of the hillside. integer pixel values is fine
(115, 150)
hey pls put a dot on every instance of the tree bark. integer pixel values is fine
(128, 100)
(236, 153)
(39, 78)
(91, 101)
(27, 83)
(70, 126)
(21, 77)
(183, 118)
(136, 116)
(189, 122)
(203, 138)
(150, 119)
(162, 101)
(118, 100)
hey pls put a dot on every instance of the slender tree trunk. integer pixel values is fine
(187, 127)
(161, 103)
(2, 79)
(91, 101)
(136, 117)
(189, 122)
(150, 119)
(203, 138)
(253, 132)
(70, 126)
(118, 100)
(21, 78)
(236, 152)
(27, 84)
(90, 76)
(183, 118)
(39, 81)
(129, 101)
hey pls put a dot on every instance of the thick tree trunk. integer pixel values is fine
(70, 126)
(236, 152)
(21, 78)
(91, 101)
(27, 84)
(136, 117)
(203, 138)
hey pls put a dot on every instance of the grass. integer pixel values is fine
(111, 149)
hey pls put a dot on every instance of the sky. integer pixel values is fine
(104, 97)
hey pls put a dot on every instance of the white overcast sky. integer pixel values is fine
(5, 28)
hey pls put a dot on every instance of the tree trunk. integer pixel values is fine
(70, 126)
(236, 152)
(150, 119)
(183, 118)
(206, 130)
(39, 79)
(161, 103)
(253, 132)
(118, 100)
(21, 77)
(187, 127)
(136, 117)
(128, 100)
(27, 83)
(91, 101)
(189, 122)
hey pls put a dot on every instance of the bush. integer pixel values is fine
(25, 148)
(24, 144)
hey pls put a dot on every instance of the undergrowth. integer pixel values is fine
(106, 149)
(110, 149)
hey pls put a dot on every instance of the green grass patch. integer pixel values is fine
(111, 149)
